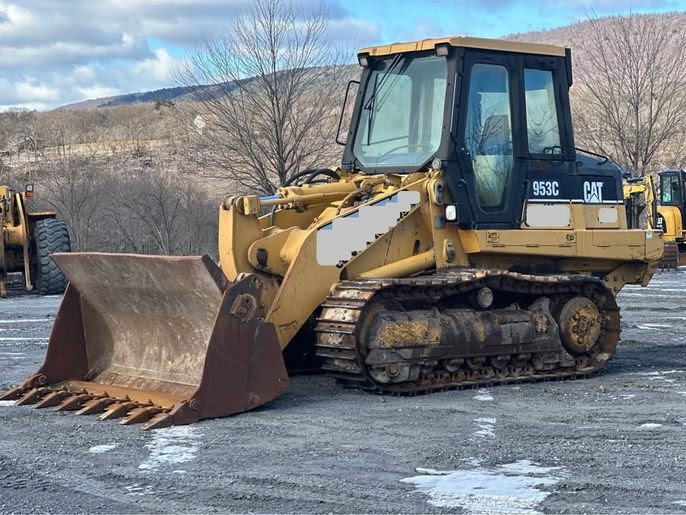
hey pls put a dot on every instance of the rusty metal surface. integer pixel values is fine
(670, 257)
(154, 339)
(146, 320)
(580, 325)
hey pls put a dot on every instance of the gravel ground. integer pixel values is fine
(615, 442)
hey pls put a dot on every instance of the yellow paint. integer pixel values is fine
(500, 45)
(417, 243)
(673, 224)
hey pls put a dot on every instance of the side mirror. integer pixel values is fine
(345, 103)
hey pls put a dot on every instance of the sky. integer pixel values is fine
(54, 52)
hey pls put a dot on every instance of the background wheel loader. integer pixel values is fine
(28, 239)
(462, 241)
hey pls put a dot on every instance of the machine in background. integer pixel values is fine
(28, 239)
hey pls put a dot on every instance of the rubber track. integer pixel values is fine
(339, 348)
(51, 236)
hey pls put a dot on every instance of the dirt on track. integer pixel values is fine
(615, 442)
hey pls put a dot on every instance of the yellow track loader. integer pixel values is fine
(462, 241)
(28, 239)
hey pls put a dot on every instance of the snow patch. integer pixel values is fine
(6, 403)
(99, 449)
(508, 488)
(485, 427)
(483, 395)
(137, 489)
(527, 467)
(658, 373)
(651, 326)
(649, 425)
(171, 446)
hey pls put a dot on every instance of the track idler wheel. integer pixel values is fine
(580, 325)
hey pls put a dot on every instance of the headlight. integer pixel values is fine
(451, 212)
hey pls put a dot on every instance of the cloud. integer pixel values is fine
(54, 52)
(36, 92)
(97, 91)
(27, 92)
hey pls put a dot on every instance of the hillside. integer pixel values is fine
(176, 94)
(571, 35)
(172, 94)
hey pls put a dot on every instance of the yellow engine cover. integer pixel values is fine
(673, 226)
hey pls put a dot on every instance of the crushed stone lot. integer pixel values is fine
(615, 442)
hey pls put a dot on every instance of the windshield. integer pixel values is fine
(402, 111)
(670, 190)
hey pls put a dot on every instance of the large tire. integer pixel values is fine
(50, 236)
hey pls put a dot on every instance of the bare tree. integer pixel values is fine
(74, 187)
(274, 95)
(631, 101)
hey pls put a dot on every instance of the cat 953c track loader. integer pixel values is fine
(27, 240)
(463, 240)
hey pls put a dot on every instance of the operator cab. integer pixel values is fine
(494, 113)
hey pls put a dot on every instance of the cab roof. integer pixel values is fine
(467, 42)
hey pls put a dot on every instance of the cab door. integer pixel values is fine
(490, 189)
(672, 186)
(514, 140)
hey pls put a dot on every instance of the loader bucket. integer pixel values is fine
(160, 340)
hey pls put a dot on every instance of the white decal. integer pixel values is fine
(548, 215)
(593, 192)
(546, 188)
(608, 215)
(338, 240)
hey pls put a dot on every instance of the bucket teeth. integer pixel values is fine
(159, 421)
(32, 396)
(13, 394)
(139, 415)
(73, 402)
(52, 399)
(95, 406)
(118, 410)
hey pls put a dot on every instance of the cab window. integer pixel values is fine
(670, 191)
(488, 133)
(402, 116)
(543, 130)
